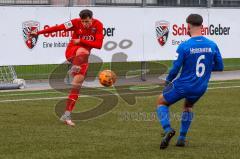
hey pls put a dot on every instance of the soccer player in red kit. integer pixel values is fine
(87, 34)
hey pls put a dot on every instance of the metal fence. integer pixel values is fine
(167, 3)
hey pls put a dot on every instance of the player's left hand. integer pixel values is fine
(76, 41)
(166, 83)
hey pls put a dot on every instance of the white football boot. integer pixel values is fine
(66, 118)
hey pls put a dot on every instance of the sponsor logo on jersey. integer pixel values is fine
(27, 28)
(162, 31)
(94, 30)
(200, 50)
(88, 37)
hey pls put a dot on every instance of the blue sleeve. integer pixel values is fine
(177, 64)
(217, 61)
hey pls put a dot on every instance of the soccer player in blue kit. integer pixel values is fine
(197, 58)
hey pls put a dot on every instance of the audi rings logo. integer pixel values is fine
(89, 38)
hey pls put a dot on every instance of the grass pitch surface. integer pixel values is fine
(30, 128)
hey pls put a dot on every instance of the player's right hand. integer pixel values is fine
(76, 41)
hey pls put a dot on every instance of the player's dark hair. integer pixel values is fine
(86, 13)
(195, 19)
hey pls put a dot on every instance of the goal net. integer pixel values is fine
(9, 80)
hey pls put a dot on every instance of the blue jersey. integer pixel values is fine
(197, 58)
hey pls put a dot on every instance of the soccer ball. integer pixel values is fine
(107, 78)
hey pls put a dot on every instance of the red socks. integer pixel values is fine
(73, 94)
(72, 98)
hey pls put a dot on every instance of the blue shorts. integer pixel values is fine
(172, 95)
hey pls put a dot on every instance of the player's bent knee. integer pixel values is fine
(188, 106)
(187, 109)
(82, 50)
(161, 101)
(78, 80)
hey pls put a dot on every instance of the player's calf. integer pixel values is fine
(164, 119)
(186, 120)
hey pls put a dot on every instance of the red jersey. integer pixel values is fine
(91, 37)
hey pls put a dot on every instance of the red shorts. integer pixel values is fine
(71, 53)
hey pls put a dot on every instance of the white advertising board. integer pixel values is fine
(131, 32)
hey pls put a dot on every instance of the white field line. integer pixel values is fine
(224, 87)
(23, 94)
(233, 82)
(56, 92)
(33, 99)
(231, 65)
(83, 96)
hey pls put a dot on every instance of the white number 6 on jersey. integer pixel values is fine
(200, 65)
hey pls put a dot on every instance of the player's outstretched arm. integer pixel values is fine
(65, 26)
(52, 29)
(218, 61)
